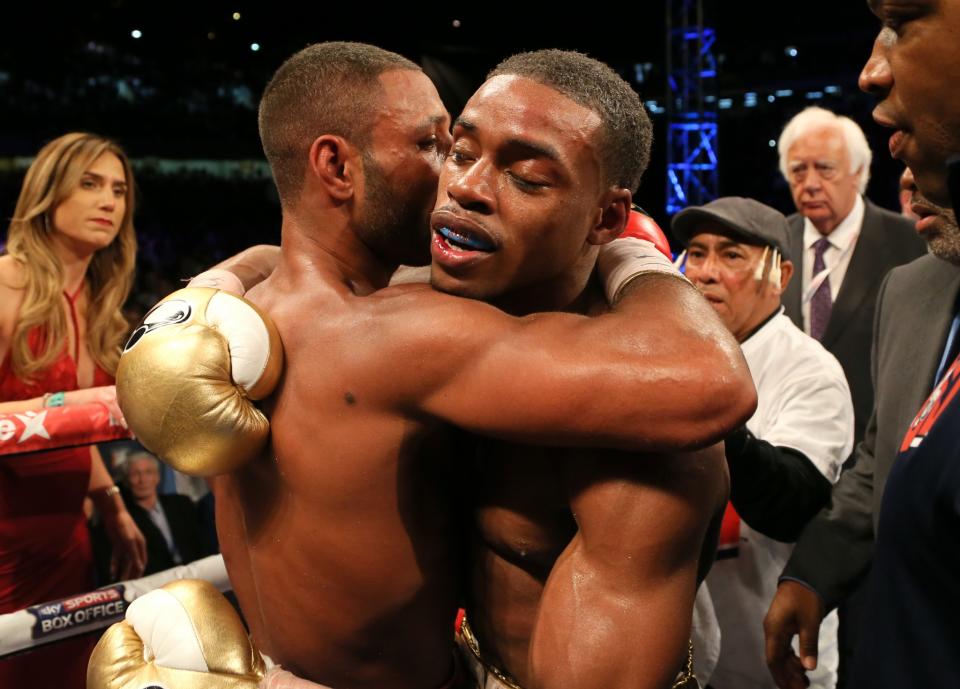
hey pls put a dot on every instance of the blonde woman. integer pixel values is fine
(65, 276)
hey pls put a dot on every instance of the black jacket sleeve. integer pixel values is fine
(775, 490)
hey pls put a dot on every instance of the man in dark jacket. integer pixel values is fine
(168, 522)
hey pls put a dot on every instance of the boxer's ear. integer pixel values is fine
(333, 164)
(612, 216)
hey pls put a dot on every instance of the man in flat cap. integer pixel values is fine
(785, 460)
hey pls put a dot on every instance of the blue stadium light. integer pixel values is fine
(725, 103)
(814, 95)
(831, 89)
(254, 47)
(784, 93)
(692, 174)
(791, 51)
(772, 143)
(677, 188)
(136, 33)
(654, 107)
(771, 98)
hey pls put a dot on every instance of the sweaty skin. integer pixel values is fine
(335, 539)
(583, 563)
(339, 540)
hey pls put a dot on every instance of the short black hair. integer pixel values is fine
(627, 131)
(326, 88)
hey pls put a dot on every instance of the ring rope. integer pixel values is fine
(54, 428)
(54, 621)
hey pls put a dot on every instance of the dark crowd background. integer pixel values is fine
(181, 98)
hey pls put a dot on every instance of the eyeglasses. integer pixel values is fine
(826, 170)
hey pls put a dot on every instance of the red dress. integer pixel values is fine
(45, 550)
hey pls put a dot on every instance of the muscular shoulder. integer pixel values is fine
(699, 478)
(652, 514)
(400, 340)
(689, 485)
(417, 315)
(404, 301)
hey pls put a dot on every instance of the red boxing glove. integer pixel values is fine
(642, 226)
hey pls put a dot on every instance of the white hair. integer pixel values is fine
(137, 455)
(816, 118)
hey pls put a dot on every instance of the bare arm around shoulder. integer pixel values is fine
(251, 266)
(617, 607)
(659, 372)
(254, 265)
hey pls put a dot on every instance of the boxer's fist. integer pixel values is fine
(182, 636)
(188, 375)
(642, 226)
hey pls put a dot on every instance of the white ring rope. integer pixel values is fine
(72, 616)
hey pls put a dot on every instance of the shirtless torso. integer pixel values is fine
(341, 539)
(339, 542)
(584, 564)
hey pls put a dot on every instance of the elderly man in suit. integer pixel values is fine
(898, 510)
(915, 340)
(169, 522)
(842, 244)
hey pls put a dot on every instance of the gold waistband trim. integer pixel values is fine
(684, 680)
(466, 633)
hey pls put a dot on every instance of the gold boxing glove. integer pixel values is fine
(184, 635)
(188, 375)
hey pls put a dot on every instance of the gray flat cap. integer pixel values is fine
(749, 220)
